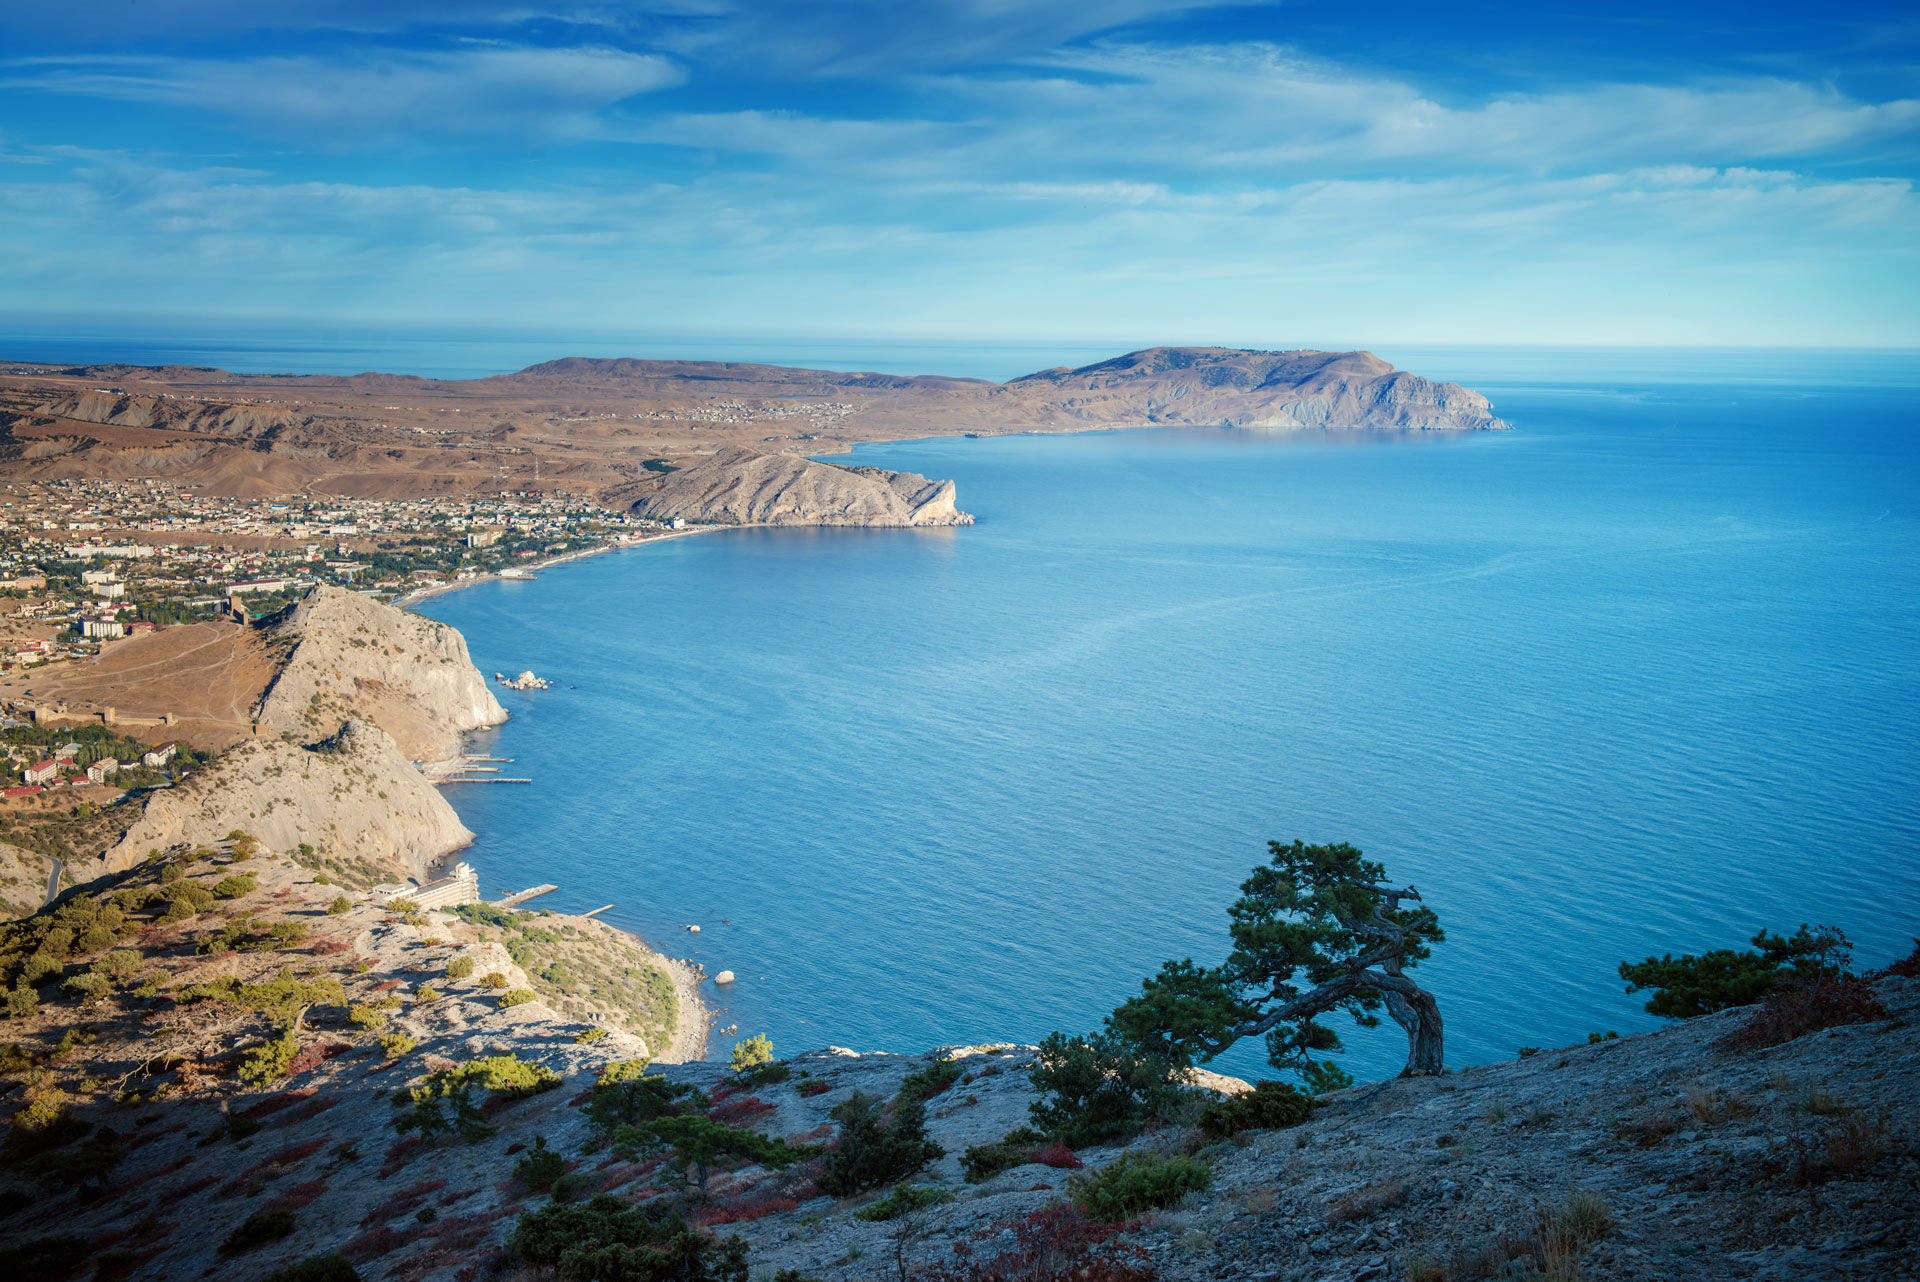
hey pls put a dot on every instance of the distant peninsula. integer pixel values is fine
(706, 441)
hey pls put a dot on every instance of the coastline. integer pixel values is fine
(694, 1019)
(418, 595)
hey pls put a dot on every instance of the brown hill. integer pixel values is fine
(743, 487)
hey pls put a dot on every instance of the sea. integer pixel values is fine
(1642, 675)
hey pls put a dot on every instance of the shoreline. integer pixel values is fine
(413, 598)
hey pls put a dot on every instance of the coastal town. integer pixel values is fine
(86, 562)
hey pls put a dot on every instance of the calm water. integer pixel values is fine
(1641, 676)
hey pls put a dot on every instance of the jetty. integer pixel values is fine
(596, 912)
(520, 897)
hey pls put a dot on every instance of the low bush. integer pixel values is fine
(751, 1053)
(627, 1096)
(1017, 1147)
(1269, 1106)
(810, 1089)
(316, 1268)
(368, 1017)
(340, 904)
(1688, 986)
(1137, 1182)
(235, 886)
(426, 993)
(540, 1166)
(268, 1062)
(697, 1143)
(1056, 1243)
(1097, 1089)
(903, 1200)
(88, 985)
(492, 979)
(395, 1045)
(1794, 1010)
(874, 1152)
(587, 1035)
(256, 1231)
(508, 1076)
(460, 968)
(607, 1240)
(517, 997)
(924, 1084)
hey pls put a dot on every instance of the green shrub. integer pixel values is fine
(23, 1002)
(316, 1268)
(97, 937)
(340, 904)
(321, 879)
(930, 1081)
(401, 905)
(508, 1076)
(540, 1167)
(87, 985)
(493, 979)
(1097, 1089)
(1686, 987)
(368, 1017)
(587, 1035)
(118, 966)
(517, 997)
(257, 1230)
(197, 898)
(38, 968)
(460, 968)
(235, 886)
(872, 1152)
(394, 1045)
(606, 1240)
(426, 993)
(984, 1161)
(904, 1199)
(1135, 1183)
(752, 1053)
(626, 1096)
(171, 873)
(771, 1074)
(1269, 1106)
(269, 1062)
(699, 1142)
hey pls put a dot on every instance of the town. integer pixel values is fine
(86, 562)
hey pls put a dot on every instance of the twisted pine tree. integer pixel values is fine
(1314, 931)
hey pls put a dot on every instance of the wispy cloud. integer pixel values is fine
(374, 94)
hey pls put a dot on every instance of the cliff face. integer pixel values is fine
(347, 655)
(1222, 386)
(352, 796)
(743, 487)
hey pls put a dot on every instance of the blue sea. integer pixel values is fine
(1641, 675)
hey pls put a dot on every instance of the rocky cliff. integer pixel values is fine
(344, 655)
(745, 487)
(351, 796)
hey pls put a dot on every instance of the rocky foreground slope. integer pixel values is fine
(166, 1126)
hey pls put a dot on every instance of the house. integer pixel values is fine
(30, 791)
(160, 756)
(41, 772)
(139, 629)
(102, 770)
(66, 752)
(105, 629)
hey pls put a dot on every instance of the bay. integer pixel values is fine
(1638, 676)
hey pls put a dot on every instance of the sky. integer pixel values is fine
(1288, 174)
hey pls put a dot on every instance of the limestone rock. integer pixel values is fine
(347, 655)
(738, 486)
(353, 794)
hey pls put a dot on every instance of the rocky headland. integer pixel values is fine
(736, 486)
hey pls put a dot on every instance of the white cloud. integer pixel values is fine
(479, 88)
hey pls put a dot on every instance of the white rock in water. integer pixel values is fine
(724, 977)
(527, 677)
(693, 930)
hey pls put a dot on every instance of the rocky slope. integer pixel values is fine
(744, 487)
(347, 655)
(353, 794)
(1681, 1161)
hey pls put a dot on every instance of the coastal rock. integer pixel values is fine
(349, 656)
(353, 796)
(736, 486)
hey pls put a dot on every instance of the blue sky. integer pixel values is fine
(1265, 174)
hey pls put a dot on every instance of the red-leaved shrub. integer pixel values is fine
(1056, 1155)
(738, 1112)
(1056, 1243)
(329, 947)
(1799, 1009)
(753, 1206)
(809, 1089)
(1907, 967)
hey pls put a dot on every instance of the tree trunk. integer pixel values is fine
(1415, 1010)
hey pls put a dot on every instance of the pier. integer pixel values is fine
(596, 912)
(521, 897)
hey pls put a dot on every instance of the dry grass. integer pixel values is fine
(1710, 1107)
(1367, 1201)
